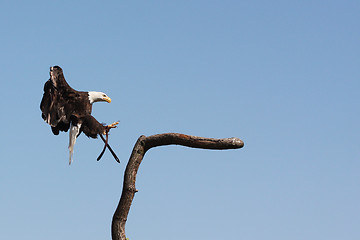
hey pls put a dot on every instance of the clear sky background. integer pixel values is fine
(281, 75)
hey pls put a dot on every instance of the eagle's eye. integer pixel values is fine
(104, 95)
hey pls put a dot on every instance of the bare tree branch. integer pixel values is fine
(142, 145)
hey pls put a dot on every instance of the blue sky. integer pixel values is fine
(281, 75)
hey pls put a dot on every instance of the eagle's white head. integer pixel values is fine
(98, 97)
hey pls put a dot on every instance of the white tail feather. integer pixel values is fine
(74, 131)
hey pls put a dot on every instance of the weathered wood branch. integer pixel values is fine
(142, 145)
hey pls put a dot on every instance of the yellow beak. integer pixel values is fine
(107, 99)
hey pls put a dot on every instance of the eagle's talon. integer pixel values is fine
(113, 125)
(108, 127)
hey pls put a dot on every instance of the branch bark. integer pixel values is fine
(144, 144)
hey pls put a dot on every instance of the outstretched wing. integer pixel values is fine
(54, 109)
(58, 102)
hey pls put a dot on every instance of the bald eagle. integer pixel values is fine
(64, 108)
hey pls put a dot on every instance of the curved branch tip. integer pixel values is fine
(237, 142)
